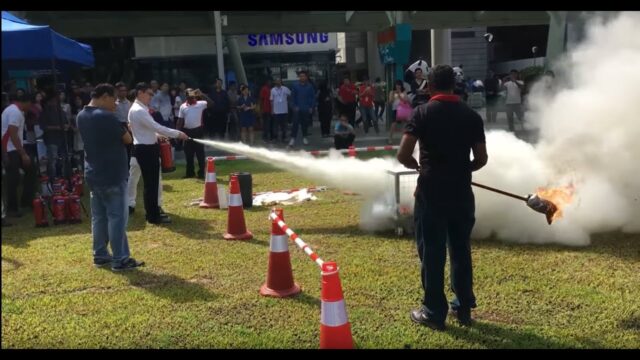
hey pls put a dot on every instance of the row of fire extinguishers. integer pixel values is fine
(61, 198)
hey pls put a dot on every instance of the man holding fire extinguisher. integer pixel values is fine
(147, 150)
(106, 174)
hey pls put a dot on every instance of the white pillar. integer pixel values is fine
(236, 59)
(219, 53)
(373, 59)
(440, 47)
(557, 37)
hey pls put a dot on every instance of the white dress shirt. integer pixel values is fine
(144, 128)
(278, 98)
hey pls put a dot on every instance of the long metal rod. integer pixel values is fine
(500, 191)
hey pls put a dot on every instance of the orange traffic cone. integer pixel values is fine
(236, 227)
(279, 275)
(352, 151)
(210, 200)
(335, 330)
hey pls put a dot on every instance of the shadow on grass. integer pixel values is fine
(10, 264)
(168, 286)
(494, 336)
(197, 229)
(631, 323)
(353, 230)
(306, 299)
(623, 246)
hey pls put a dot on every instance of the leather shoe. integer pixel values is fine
(420, 317)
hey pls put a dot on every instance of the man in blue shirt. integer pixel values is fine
(106, 172)
(303, 96)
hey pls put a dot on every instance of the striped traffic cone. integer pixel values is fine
(236, 227)
(279, 274)
(335, 330)
(352, 151)
(210, 200)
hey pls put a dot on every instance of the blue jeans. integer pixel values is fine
(300, 118)
(55, 151)
(369, 118)
(109, 217)
(442, 223)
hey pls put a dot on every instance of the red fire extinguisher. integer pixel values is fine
(39, 213)
(73, 207)
(59, 202)
(166, 157)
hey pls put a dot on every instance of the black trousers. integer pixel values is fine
(441, 224)
(219, 124)
(281, 121)
(191, 147)
(267, 127)
(343, 141)
(13, 181)
(350, 110)
(148, 157)
(324, 113)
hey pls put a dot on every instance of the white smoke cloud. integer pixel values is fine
(589, 136)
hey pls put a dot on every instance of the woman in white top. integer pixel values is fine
(397, 96)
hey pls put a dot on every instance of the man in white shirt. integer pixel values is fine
(513, 102)
(161, 102)
(147, 151)
(280, 107)
(190, 121)
(14, 156)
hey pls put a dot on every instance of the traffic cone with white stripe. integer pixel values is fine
(352, 151)
(210, 200)
(335, 329)
(279, 274)
(236, 227)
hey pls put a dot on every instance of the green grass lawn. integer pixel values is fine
(200, 291)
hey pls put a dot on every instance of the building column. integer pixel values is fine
(440, 47)
(219, 53)
(557, 38)
(236, 59)
(376, 68)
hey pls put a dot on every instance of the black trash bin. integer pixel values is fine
(246, 188)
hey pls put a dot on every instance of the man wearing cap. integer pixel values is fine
(145, 131)
(190, 121)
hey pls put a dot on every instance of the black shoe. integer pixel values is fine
(463, 316)
(101, 262)
(161, 220)
(420, 317)
(131, 210)
(129, 264)
(161, 211)
(200, 176)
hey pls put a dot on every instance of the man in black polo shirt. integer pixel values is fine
(448, 130)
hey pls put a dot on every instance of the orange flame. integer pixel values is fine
(559, 196)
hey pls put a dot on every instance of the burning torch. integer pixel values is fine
(533, 201)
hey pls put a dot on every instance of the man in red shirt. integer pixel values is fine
(347, 98)
(265, 108)
(367, 92)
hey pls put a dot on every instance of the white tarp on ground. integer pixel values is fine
(283, 198)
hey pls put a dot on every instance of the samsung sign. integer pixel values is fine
(168, 46)
(287, 39)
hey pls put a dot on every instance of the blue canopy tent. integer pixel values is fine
(38, 47)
